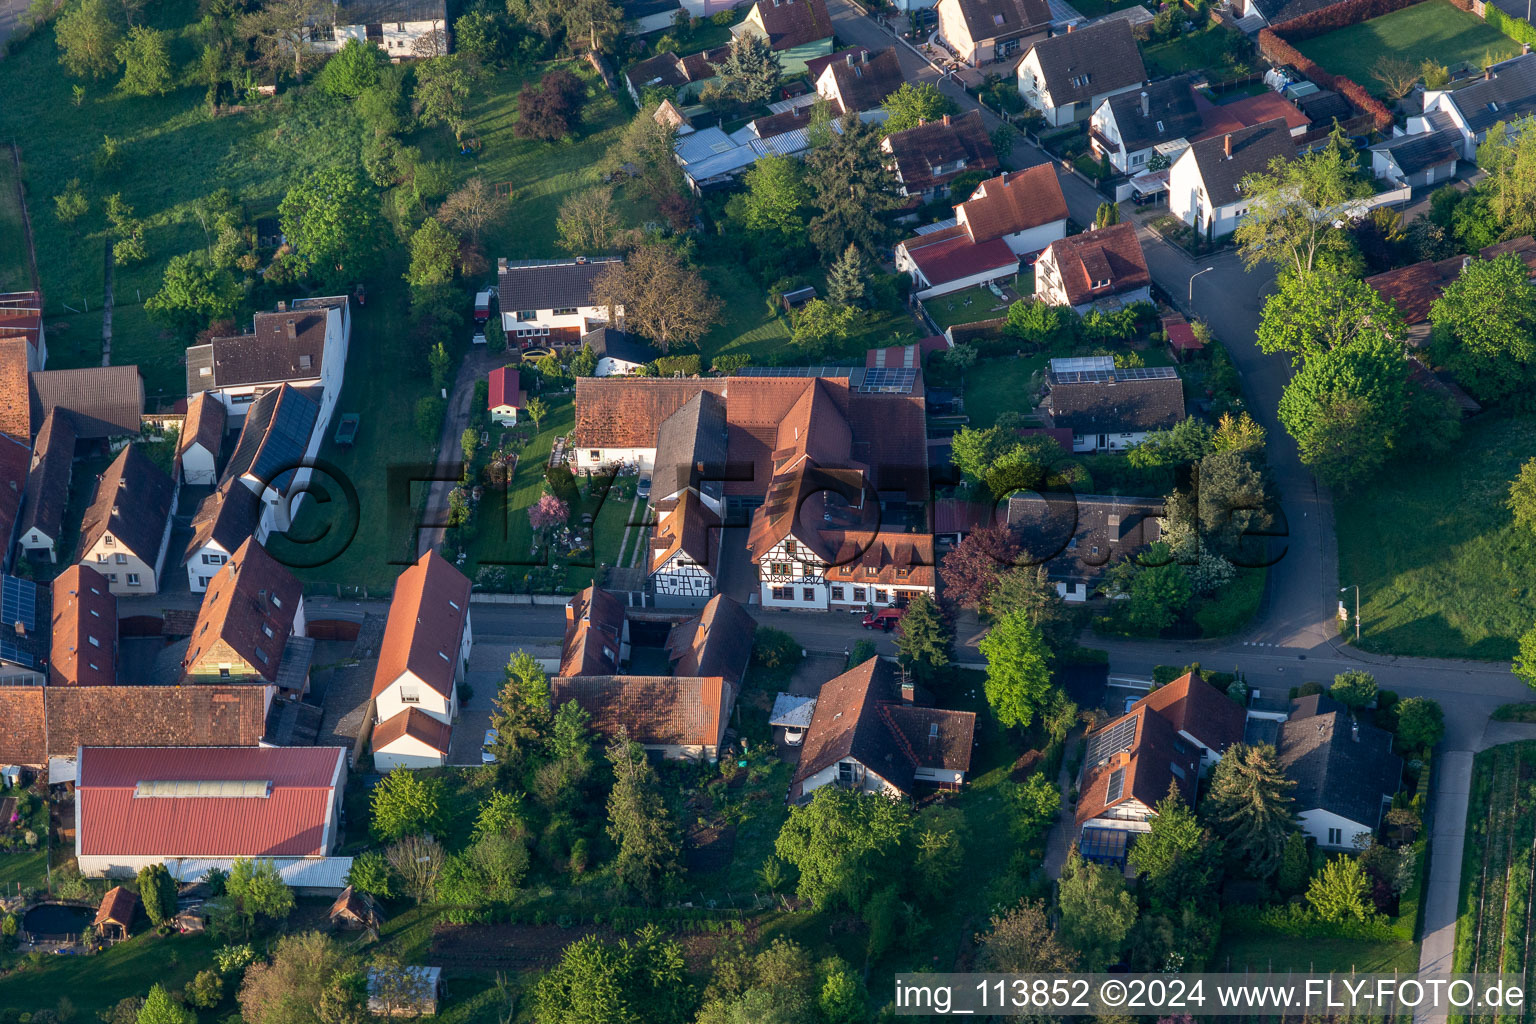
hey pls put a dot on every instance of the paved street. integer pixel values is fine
(10, 17)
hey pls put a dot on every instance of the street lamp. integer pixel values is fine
(1345, 590)
(1192, 277)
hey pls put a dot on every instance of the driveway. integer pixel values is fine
(450, 456)
(10, 20)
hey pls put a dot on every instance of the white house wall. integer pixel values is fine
(197, 466)
(408, 752)
(1317, 822)
(602, 459)
(391, 703)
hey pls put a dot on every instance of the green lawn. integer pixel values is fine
(29, 870)
(1442, 570)
(1432, 29)
(996, 386)
(96, 983)
(969, 306)
(1270, 952)
(14, 274)
(747, 326)
(1194, 51)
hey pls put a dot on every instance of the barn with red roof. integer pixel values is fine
(197, 808)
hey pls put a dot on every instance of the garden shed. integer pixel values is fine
(115, 916)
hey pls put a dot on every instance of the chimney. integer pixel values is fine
(848, 57)
(1071, 27)
(1354, 730)
(908, 691)
(1525, 48)
(1146, 104)
(864, 57)
(1487, 72)
(581, 261)
(946, 120)
(1227, 145)
(293, 331)
(501, 263)
(282, 305)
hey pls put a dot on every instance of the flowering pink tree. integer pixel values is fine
(546, 513)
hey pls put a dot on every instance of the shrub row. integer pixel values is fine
(1518, 29)
(1273, 46)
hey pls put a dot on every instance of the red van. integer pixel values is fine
(884, 619)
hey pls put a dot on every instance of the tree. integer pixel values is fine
(1346, 408)
(1522, 497)
(547, 513)
(159, 1008)
(1295, 864)
(1046, 325)
(1293, 206)
(1435, 75)
(1030, 590)
(205, 990)
(353, 69)
(1174, 857)
(841, 842)
(193, 294)
(469, 208)
(1181, 444)
(587, 221)
(1397, 75)
(660, 296)
(1420, 723)
(332, 220)
(1106, 215)
(851, 188)
(1018, 681)
(644, 979)
(157, 893)
(1021, 941)
(775, 985)
(418, 862)
(923, 638)
(639, 823)
(483, 36)
(310, 980)
(971, 571)
(1508, 155)
(537, 409)
(1034, 806)
(751, 69)
(1097, 913)
(1324, 310)
(648, 146)
(370, 874)
(87, 38)
(428, 417)
(1249, 804)
(404, 803)
(911, 105)
(1237, 434)
(821, 327)
(283, 34)
(846, 281)
(71, 204)
(433, 253)
(1340, 891)
(1354, 689)
(443, 86)
(146, 61)
(1485, 327)
(522, 706)
(550, 110)
(775, 197)
(258, 890)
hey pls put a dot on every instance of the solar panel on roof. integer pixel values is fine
(1081, 376)
(795, 371)
(18, 605)
(1108, 741)
(1116, 788)
(1078, 364)
(1146, 373)
(888, 380)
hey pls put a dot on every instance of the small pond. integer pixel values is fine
(56, 922)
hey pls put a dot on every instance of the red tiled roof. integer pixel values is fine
(84, 610)
(205, 423)
(1218, 119)
(1094, 264)
(792, 23)
(1415, 288)
(1146, 766)
(416, 724)
(290, 821)
(1180, 335)
(117, 907)
(813, 69)
(594, 633)
(952, 515)
(946, 143)
(899, 559)
(426, 623)
(656, 710)
(1194, 706)
(250, 607)
(1013, 201)
(506, 388)
(15, 463)
(15, 396)
(944, 256)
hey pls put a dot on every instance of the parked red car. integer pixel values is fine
(884, 619)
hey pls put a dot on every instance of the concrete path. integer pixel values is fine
(1453, 785)
(450, 456)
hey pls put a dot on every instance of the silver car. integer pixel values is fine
(488, 748)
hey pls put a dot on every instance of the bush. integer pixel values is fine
(774, 648)
(205, 991)
(429, 417)
(671, 366)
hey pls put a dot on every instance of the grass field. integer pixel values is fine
(1432, 29)
(1493, 923)
(996, 386)
(1441, 568)
(973, 304)
(15, 276)
(1193, 51)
